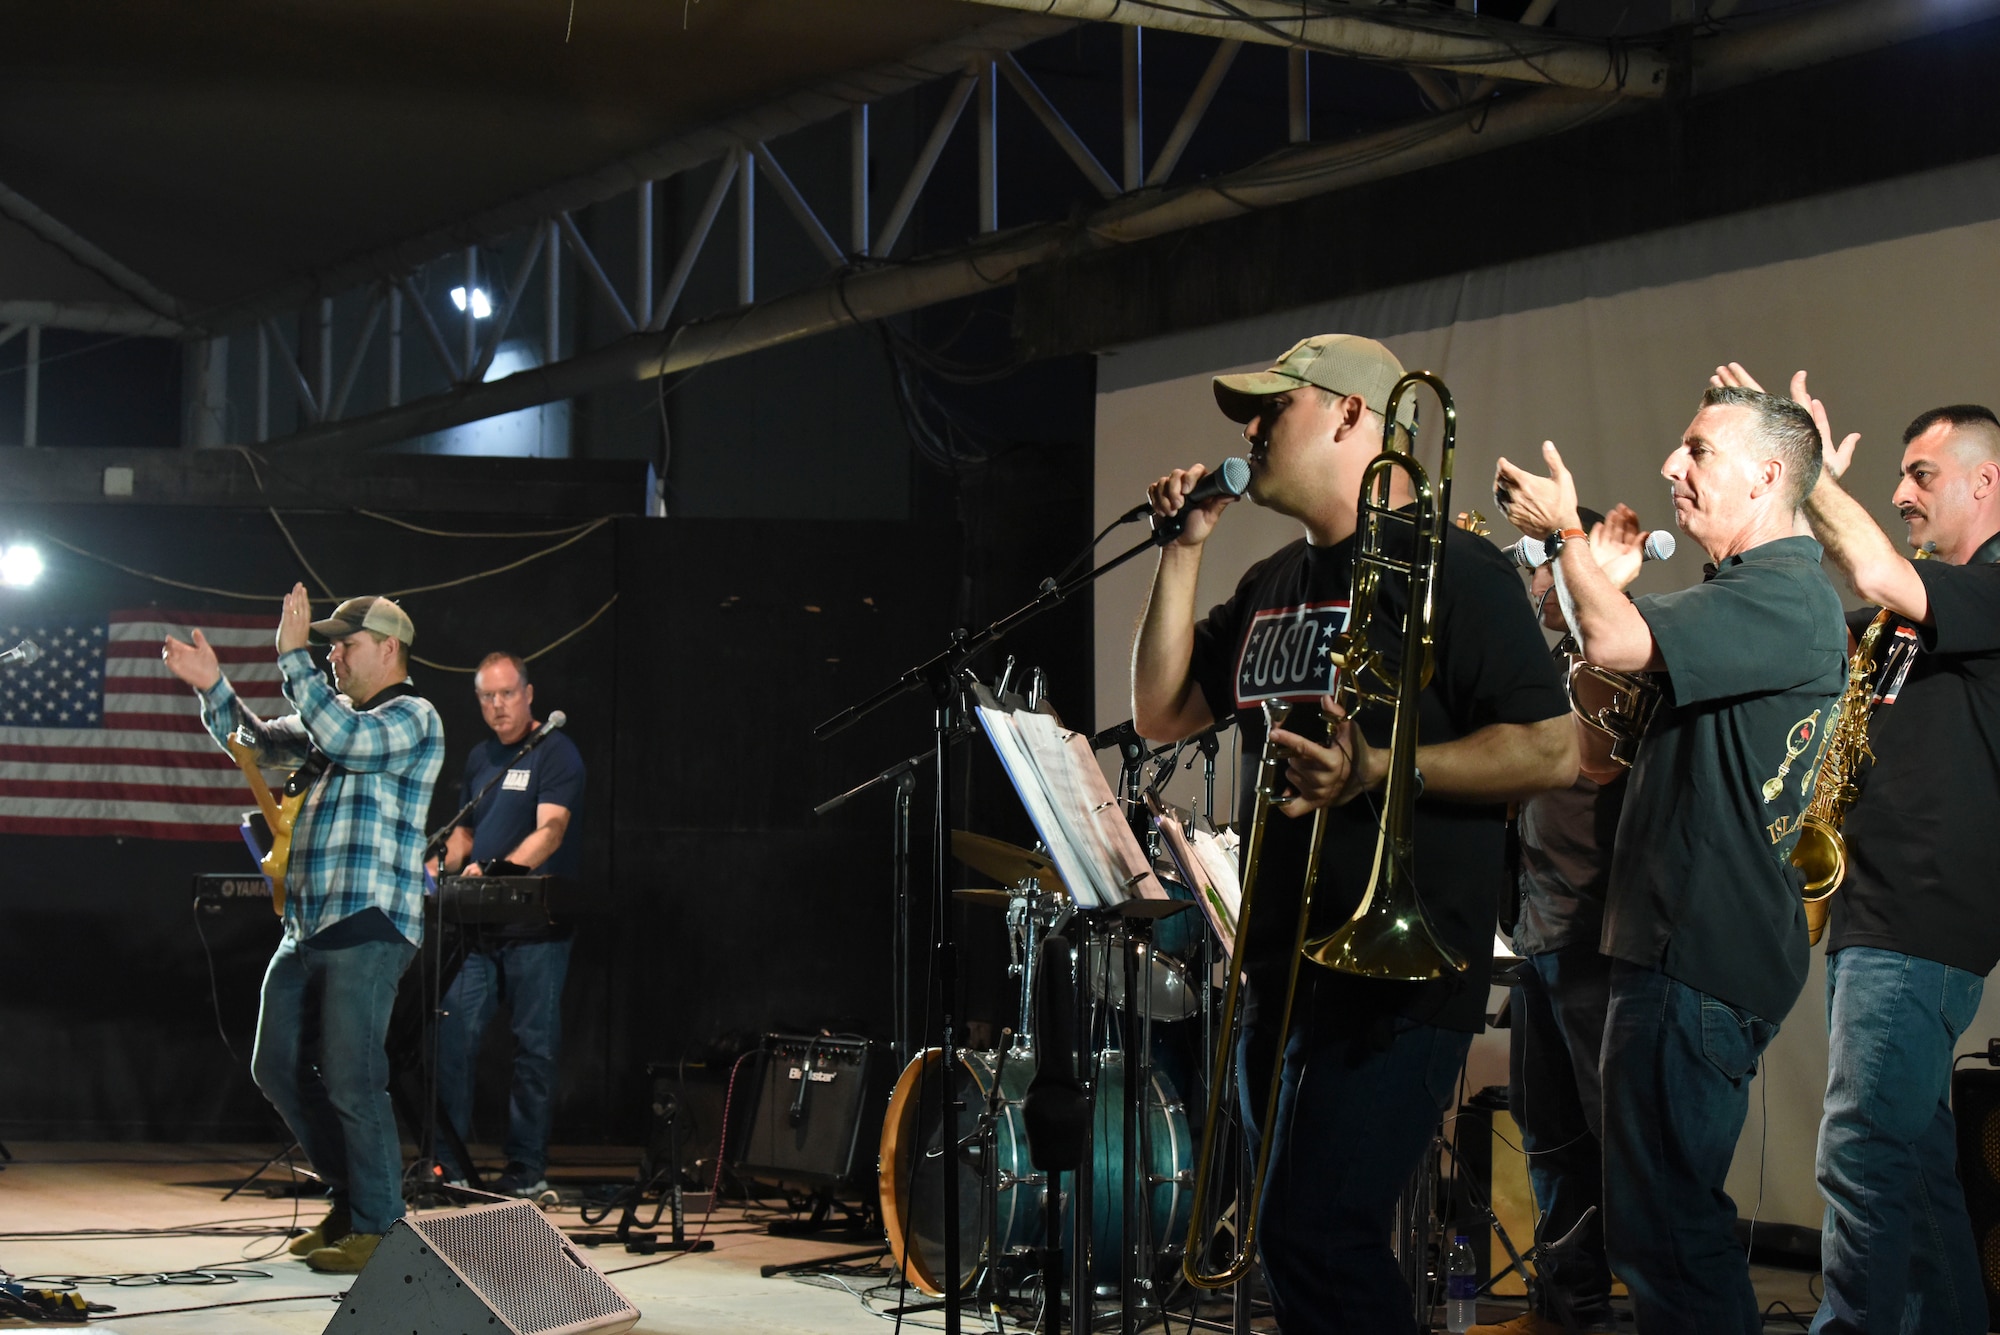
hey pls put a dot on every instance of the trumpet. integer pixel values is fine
(1388, 936)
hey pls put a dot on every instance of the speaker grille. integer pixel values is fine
(1989, 1144)
(522, 1267)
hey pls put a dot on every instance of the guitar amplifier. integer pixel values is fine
(818, 1114)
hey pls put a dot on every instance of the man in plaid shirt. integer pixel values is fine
(354, 911)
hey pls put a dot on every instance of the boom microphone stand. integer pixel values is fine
(940, 677)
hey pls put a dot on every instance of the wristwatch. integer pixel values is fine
(1559, 536)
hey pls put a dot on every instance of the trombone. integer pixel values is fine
(1389, 936)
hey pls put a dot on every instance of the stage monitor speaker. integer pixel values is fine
(818, 1115)
(480, 1271)
(1975, 1106)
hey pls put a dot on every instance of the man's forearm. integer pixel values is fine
(1608, 628)
(1166, 705)
(1866, 556)
(1501, 762)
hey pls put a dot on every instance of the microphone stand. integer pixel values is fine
(434, 846)
(939, 676)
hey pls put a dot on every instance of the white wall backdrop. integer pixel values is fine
(1888, 295)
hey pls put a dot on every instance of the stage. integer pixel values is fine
(82, 1209)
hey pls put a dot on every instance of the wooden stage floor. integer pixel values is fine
(86, 1210)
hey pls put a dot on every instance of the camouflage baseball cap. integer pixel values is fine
(1339, 363)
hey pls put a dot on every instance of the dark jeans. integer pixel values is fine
(1555, 1096)
(1897, 1248)
(1677, 1070)
(529, 976)
(1354, 1119)
(320, 1059)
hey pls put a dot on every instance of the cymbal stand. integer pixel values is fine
(1543, 1296)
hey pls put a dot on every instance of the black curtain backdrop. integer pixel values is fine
(734, 909)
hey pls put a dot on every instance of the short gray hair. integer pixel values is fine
(502, 656)
(1785, 428)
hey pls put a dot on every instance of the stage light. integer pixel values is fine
(481, 307)
(20, 565)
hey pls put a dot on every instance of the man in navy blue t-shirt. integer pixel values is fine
(529, 820)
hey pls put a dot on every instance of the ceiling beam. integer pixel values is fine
(1433, 38)
(92, 257)
(90, 317)
(707, 143)
(1819, 35)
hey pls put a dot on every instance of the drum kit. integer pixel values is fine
(1127, 975)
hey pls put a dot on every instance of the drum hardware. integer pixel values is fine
(1007, 863)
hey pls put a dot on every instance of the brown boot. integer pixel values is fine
(347, 1256)
(337, 1225)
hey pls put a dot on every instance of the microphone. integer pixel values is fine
(1530, 553)
(555, 720)
(27, 651)
(1230, 478)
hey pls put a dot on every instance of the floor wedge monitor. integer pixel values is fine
(484, 1270)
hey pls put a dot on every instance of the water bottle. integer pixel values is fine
(1461, 1285)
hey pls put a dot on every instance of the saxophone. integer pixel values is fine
(1821, 852)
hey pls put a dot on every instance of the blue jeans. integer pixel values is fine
(1677, 1070)
(1558, 1039)
(1897, 1248)
(320, 1059)
(529, 976)
(1354, 1119)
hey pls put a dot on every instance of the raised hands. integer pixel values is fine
(295, 621)
(1619, 545)
(1833, 458)
(195, 664)
(1538, 506)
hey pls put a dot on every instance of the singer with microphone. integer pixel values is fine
(1368, 1066)
(527, 823)
(367, 758)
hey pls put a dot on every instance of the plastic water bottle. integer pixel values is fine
(1461, 1285)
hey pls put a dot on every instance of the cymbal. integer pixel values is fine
(1004, 861)
(997, 899)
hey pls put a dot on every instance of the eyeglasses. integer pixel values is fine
(495, 697)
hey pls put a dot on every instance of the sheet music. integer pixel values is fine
(1064, 792)
(1208, 867)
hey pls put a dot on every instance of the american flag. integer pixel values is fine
(97, 737)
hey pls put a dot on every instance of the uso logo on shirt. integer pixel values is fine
(1284, 656)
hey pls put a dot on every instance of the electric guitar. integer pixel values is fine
(278, 815)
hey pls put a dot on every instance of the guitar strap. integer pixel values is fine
(317, 761)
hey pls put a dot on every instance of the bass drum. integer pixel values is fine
(914, 1158)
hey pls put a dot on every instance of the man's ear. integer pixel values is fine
(1766, 477)
(1353, 411)
(1985, 479)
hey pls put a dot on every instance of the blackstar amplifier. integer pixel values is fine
(818, 1113)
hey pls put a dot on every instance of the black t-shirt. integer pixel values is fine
(1919, 865)
(552, 774)
(1269, 641)
(1702, 886)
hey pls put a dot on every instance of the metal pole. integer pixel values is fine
(857, 185)
(1298, 88)
(395, 344)
(32, 406)
(746, 229)
(1135, 109)
(552, 299)
(264, 384)
(642, 296)
(323, 389)
(989, 148)
(471, 331)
